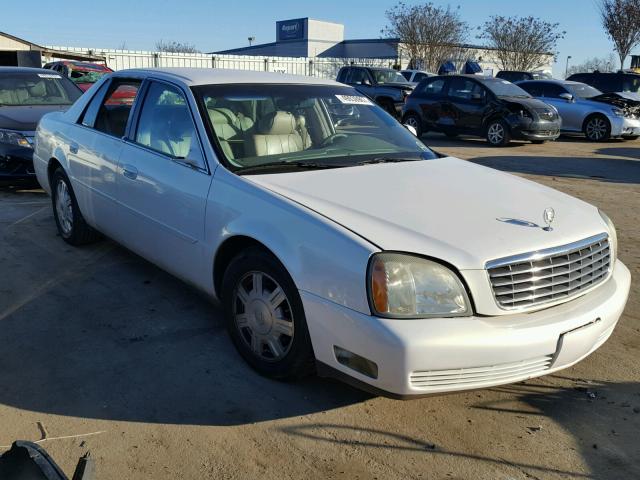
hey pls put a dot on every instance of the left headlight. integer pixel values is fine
(404, 286)
(618, 112)
(14, 138)
(613, 236)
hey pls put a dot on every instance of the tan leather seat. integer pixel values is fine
(278, 132)
(223, 121)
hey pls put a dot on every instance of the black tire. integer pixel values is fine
(298, 360)
(72, 228)
(538, 142)
(497, 133)
(597, 128)
(414, 120)
(389, 107)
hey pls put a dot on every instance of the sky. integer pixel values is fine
(213, 25)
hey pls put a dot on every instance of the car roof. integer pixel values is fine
(551, 80)
(25, 70)
(207, 76)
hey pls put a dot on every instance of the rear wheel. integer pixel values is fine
(414, 120)
(69, 220)
(265, 317)
(498, 133)
(597, 128)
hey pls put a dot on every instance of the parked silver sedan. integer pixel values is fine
(587, 110)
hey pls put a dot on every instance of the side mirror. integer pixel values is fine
(412, 129)
(566, 96)
(366, 82)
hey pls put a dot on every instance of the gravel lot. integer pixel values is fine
(98, 340)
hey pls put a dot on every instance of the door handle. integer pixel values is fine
(130, 171)
(73, 147)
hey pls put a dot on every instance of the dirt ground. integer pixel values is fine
(97, 342)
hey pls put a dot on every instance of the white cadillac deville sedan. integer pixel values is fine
(335, 240)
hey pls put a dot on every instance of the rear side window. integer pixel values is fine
(166, 125)
(419, 77)
(606, 82)
(115, 109)
(532, 88)
(407, 75)
(357, 76)
(431, 88)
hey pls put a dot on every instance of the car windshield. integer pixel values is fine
(28, 88)
(582, 90)
(631, 84)
(86, 75)
(502, 88)
(261, 127)
(388, 76)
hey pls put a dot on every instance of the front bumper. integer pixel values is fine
(436, 355)
(528, 129)
(16, 164)
(625, 127)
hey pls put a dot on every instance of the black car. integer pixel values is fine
(385, 86)
(26, 94)
(514, 76)
(609, 82)
(477, 105)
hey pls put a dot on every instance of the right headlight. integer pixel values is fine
(613, 236)
(14, 138)
(406, 286)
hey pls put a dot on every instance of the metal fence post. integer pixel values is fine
(155, 60)
(213, 61)
(266, 64)
(311, 72)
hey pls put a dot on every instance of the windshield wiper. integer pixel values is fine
(372, 161)
(285, 165)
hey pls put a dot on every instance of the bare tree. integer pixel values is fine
(621, 21)
(602, 64)
(520, 43)
(175, 47)
(428, 34)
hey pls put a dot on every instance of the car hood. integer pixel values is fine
(402, 86)
(619, 99)
(25, 117)
(445, 208)
(532, 103)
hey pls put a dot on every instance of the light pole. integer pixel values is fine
(251, 40)
(566, 68)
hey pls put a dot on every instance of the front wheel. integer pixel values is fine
(597, 128)
(69, 220)
(265, 317)
(413, 120)
(498, 133)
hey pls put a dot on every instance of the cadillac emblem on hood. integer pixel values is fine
(548, 216)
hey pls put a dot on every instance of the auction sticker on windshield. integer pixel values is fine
(354, 99)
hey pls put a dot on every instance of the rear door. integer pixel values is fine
(466, 100)
(429, 97)
(163, 182)
(94, 152)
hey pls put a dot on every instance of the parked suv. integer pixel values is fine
(609, 82)
(387, 87)
(479, 105)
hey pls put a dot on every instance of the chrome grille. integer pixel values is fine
(480, 376)
(550, 275)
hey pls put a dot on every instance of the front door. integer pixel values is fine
(467, 100)
(163, 182)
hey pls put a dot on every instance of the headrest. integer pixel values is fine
(38, 90)
(277, 123)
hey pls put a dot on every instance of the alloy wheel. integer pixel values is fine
(263, 316)
(495, 134)
(64, 207)
(596, 128)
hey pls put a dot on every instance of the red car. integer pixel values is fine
(83, 74)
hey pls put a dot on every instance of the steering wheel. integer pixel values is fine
(330, 140)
